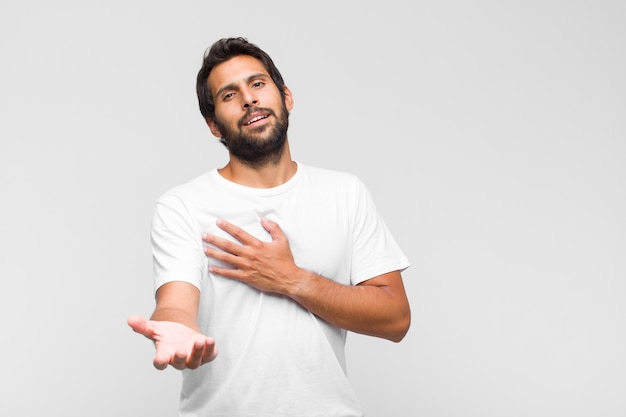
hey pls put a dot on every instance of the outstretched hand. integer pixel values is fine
(176, 344)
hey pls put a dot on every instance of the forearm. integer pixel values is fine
(378, 308)
(177, 302)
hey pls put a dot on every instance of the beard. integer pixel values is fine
(263, 145)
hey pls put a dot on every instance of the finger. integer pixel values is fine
(179, 360)
(227, 247)
(220, 255)
(195, 356)
(237, 232)
(273, 229)
(141, 326)
(161, 360)
(226, 272)
(210, 351)
(230, 262)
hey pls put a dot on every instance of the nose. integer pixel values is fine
(249, 98)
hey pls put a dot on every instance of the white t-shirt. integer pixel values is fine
(275, 358)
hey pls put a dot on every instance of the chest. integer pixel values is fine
(319, 234)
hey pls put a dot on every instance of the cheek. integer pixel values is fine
(225, 120)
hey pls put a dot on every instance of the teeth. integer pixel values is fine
(255, 119)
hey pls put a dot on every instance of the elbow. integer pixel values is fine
(400, 328)
(402, 332)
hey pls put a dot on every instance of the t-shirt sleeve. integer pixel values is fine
(176, 244)
(375, 251)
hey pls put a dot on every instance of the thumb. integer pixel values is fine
(139, 325)
(273, 229)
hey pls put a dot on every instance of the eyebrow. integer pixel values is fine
(233, 86)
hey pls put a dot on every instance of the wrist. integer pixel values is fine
(301, 283)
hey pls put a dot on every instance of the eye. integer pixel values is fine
(228, 96)
(258, 84)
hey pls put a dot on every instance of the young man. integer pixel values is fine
(267, 258)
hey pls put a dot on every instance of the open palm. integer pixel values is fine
(176, 344)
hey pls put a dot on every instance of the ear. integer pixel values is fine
(288, 98)
(214, 129)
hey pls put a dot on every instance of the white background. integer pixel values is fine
(492, 135)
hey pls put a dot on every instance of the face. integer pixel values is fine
(250, 114)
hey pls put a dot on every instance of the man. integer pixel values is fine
(270, 259)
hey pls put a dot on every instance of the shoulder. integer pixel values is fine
(188, 191)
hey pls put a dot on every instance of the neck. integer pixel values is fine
(270, 174)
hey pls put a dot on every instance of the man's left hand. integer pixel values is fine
(266, 266)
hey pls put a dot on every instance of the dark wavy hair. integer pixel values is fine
(221, 51)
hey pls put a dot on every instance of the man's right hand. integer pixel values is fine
(176, 344)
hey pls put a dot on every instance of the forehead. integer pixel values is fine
(237, 69)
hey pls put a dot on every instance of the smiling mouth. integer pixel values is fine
(255, 119)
